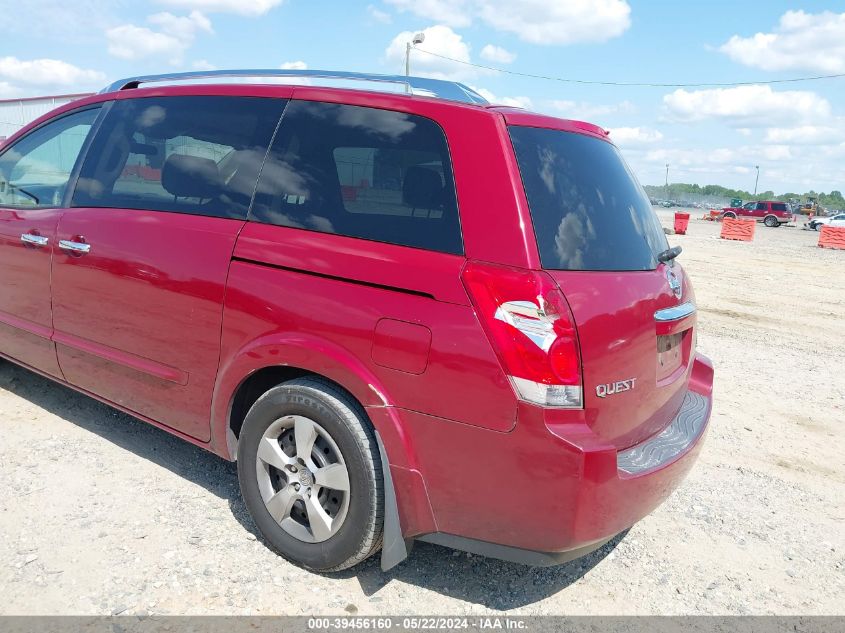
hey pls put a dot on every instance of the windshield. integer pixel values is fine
(588, 210)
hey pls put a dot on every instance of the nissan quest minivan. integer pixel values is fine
(407, 314)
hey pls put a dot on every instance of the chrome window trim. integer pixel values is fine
(675, 312)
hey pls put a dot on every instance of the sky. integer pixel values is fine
(795, 132)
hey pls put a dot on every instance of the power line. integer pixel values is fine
(635, 84)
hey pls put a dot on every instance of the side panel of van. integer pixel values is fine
(355, 243)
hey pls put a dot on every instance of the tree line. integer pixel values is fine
(678, 190)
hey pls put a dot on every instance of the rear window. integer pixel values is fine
(588, 210)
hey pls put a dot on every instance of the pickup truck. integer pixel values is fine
(770, 213)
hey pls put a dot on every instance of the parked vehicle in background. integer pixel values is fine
(312, 281)
(770, 213)
(833, 220)
(811, 207)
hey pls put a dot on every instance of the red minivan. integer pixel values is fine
(407, 315)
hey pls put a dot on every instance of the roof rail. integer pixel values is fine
(450, 90)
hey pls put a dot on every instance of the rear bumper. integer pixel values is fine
(545, 492)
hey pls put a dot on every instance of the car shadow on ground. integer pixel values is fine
(491, 583)
(488, 582)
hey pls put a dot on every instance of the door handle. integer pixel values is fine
(34, 240)
(78, 248)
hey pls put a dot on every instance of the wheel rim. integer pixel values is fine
(303, 478)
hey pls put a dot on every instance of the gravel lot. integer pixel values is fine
(102, 514)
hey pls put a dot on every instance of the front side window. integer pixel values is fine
(196, 154)
(361, 172)
(34, 172)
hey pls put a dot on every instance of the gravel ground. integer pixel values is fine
(102, 514)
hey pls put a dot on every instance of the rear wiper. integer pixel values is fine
(669, 254)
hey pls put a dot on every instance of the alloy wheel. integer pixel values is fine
(303, 478)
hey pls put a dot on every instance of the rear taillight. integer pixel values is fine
(531, 328)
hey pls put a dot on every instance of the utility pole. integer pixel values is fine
(757, 179)
(667, 181)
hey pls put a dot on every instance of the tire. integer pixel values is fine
(730, 216)
(771, 221)
(283, 418)
(817, 227)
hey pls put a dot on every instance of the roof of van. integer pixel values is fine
(413, 86)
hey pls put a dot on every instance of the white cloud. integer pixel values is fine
(8, 90)
(241, 7)
(203, 64)
(585, 111)
(439, 39)
(800, 41)
(297, 65)
(736, 159)
(449, 12)
(46, 72)
(558, 22)
(378, 15)
(497, 54)
(634, 136)
(747, 106)
(806, 135)
(183, 27)
(175, 35)
(535, 21)
(514, 102)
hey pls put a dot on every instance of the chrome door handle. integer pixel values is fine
(34, 240)
(74, 247)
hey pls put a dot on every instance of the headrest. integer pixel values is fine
(190, 176)
(422, 188)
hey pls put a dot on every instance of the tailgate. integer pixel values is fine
(637, 346)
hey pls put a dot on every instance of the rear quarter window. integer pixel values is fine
(362, 172)
(588, 210)
(778, 206)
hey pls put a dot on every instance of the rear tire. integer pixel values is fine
(771, 221)
(730, 216)
(296, 439)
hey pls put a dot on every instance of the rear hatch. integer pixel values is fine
(599, 239)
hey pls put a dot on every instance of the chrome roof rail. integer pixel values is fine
(450, 90)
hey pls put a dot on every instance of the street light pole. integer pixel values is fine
(757, 179)
(667, 181)
(419, 38)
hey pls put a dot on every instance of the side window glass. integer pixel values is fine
(761, 206)
(194, 154)
(361, 172)
(34, 172)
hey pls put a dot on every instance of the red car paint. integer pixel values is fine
(761, 211)
(169, 314)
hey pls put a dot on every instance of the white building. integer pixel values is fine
(15, 113)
